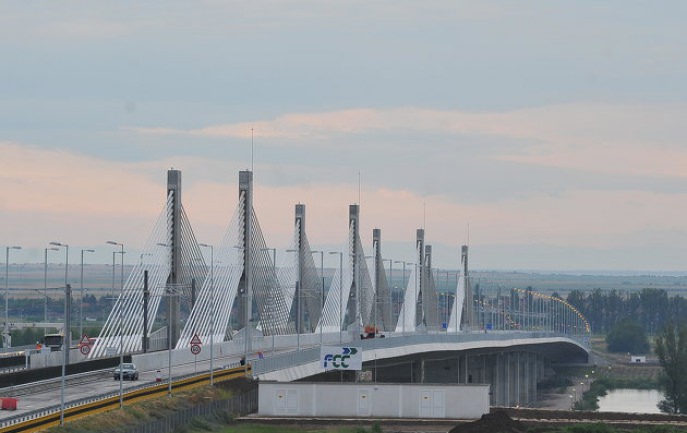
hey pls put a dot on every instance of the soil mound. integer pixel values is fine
(496, 422)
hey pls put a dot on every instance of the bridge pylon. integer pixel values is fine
(382, 295)
(245, 276)
(175, 268)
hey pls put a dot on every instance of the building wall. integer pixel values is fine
(373, 400)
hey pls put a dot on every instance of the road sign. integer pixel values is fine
(84, 340)
(85, 349)
(195, 341)
(195, 349)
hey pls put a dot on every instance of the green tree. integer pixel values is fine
(671, 348)
(627, 335)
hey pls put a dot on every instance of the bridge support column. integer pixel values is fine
(246, 187)
(174, 310)
(533, 378)
(520, 379)
(499, 384)
(509, 379)
(458, 368)
(465, 368)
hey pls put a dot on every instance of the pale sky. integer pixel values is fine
(548, 135)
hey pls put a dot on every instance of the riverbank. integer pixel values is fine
(580, 387)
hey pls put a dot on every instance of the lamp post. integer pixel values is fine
(114, 267)
(81, 302)
(67, 330)
(121, 325)
(45, 282)
(7, 281)
(321, 253)
(143, 255)
(122, 268)
(212, 310)
(340, 292)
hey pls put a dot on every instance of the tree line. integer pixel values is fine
(625, 317)
(651, 308)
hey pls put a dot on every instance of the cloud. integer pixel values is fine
(50, 194)
(604, 138)
(55, 181)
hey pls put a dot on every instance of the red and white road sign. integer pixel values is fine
(195, 341)
(85, 349)
(85, 340)
(195, 349)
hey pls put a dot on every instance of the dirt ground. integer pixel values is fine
(492, 422)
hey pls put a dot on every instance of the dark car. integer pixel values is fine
(126, 371)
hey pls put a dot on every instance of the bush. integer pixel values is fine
(627, 336)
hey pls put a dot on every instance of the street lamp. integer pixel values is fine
(212, 309)
(45, 282)
(67, 331)
(340, 292)
(143, 255)
(81, 303)
(121, 327)
(7, 281)
(321, 253)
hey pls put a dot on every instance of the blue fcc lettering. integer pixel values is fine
(337, 361)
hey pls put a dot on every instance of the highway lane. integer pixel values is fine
(46, 394)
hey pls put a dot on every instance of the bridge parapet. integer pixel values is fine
(560, 345)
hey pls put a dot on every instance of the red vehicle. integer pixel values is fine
(371, 332)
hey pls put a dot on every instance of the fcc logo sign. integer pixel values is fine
(341, 358)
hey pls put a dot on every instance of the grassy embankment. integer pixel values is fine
(221, 422)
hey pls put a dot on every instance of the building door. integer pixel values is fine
(286, 402)
(432, 404)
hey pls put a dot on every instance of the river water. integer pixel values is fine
(631, 401)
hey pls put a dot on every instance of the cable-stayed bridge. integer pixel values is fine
(240, 298)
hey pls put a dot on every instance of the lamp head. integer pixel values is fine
(58, 244)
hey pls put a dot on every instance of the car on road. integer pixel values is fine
(126, 370)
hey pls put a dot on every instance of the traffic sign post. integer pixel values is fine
(85, 345)
(195, 344)
(195, 348)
